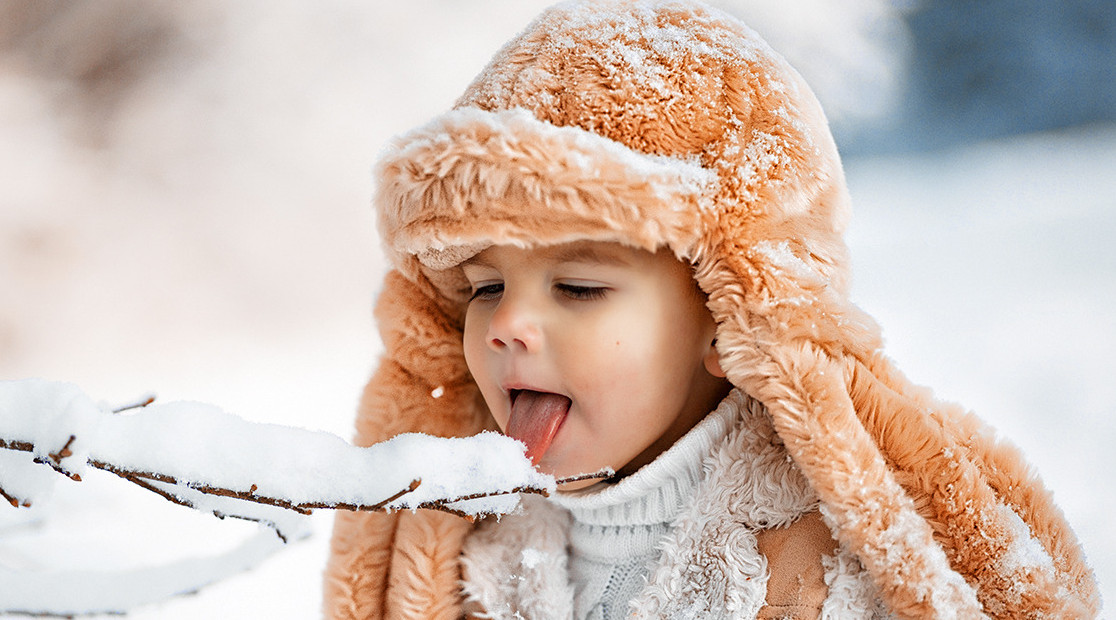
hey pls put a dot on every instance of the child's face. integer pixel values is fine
(595, 354)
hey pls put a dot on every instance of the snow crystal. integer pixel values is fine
(1025, 552)
(781, 256)
(532, 558)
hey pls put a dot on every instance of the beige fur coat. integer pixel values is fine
(669, 124)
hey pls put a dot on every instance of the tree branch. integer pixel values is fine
(148, 449)
(197, 456)
(145, 480)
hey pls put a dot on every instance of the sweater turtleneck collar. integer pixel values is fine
(656, 492)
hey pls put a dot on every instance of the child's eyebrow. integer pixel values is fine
(568, 254)
(589, 254)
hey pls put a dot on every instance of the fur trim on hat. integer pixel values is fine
(670, 124)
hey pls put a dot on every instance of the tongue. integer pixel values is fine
(535, 419)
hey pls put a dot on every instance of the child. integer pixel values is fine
(623, 247)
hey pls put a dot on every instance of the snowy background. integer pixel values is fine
(184, 210)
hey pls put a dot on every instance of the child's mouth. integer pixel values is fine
(535, 419)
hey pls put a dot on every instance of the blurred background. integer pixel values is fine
(184, 210)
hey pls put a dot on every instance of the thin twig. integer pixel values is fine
(603, 474)
(174, 499)
(55, 459)
(66, 616)
(453, 511)
(374, 507)
(19, 446)
(14, 501)
(143, 402)
(471, 496)
(142, 479)
(50, 462)
(124, 472)
(597, 475)
(64, 452)
(138, 481)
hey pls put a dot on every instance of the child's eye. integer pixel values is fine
(488, 292)
(581, 292)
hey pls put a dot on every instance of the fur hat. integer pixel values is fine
(670, 124)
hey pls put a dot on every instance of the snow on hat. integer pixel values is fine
(671, 124)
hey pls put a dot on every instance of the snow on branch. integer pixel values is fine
(197, 455)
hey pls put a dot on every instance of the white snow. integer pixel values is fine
(197, 446)
(186, 449)
(532, 558)
(52, 417)
(233, 260)
(1026, 552)
(25, 481)
(73, 592)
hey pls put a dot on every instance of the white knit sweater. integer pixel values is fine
(674, 540)
(616, 529)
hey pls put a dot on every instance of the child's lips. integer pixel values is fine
(514, 392)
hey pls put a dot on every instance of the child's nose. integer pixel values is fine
(515, 325)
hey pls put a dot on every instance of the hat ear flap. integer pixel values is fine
(386, 565)
(422, 384)
(918, 503)
(805, 392)
(997, 522)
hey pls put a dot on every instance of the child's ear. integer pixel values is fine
(713, 360)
